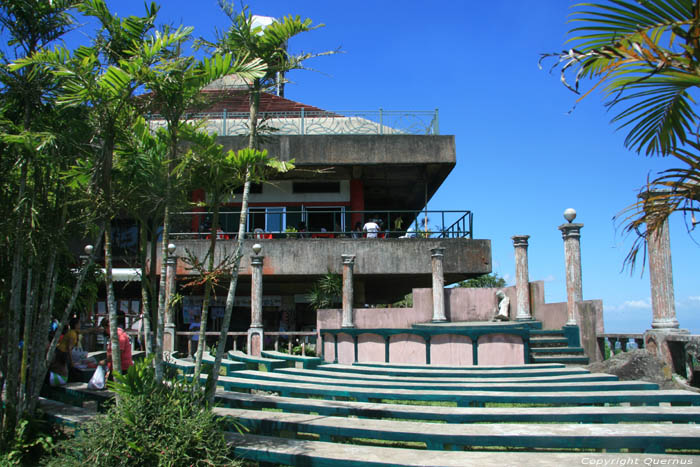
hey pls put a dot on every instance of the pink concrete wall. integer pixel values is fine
(500, 349)
(451, 349)
(464, 304)
(346, 349)
(552, 315)
(328, 348)
(370, 348)
(407, 348)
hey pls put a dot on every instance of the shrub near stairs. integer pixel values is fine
(153, 424)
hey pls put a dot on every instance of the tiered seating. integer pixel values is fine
(564, 412)
(385, 414)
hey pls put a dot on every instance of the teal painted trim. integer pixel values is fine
(387, 344)
(422, 412)
(307, 362)
(547, 332)
(526, 351)
(552, 436)
(423, 331)
(427, 350)
(355, 350)
(321, 353)
(335, 343)
(572, 334)
(558, 368)
(561, 350)
(475, 352)
(466, 398)
(485, 386)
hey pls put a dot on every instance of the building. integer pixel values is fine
(349, 168)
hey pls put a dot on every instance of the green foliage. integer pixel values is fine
(31, 441)
(405, 302)
(327, 292)
(645, 55)
(486, 281)
(154, 423)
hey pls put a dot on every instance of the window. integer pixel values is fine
(255, 188)
(316, 187)
(268, 219)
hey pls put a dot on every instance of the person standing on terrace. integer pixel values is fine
(372, 228)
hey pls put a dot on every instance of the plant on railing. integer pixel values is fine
(327, 292)
(291, 232)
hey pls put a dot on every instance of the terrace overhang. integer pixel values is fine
(397, 171)
(387, 268)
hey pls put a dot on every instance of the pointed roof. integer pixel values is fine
(236, 100)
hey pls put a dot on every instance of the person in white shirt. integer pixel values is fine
(372, 228)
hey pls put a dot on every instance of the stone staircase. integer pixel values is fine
(552, 346)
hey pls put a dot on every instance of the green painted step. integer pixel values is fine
(548, 341)
(557, 350)
(583, 360)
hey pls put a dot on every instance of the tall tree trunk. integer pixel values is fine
(15, 312)
(231, 295)
(254, 96)
(145, 289)
(207, 294)
(153, 302)
(111, 303)
(160, 324)
(26, 338)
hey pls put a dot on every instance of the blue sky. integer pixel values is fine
(522, 156)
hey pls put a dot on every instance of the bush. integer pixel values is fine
(33, 438)
(153, 424)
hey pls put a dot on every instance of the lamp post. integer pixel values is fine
(348, 292)
(169, 322)
(255, 333)
(571, 233)
(437, 256)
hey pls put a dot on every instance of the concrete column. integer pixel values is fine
(661, 277)
(255, 333)
(571, 233)
(522, 278)
(169, 321)
(438, 285)
(348, 291)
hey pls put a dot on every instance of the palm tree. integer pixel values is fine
(645, 55)
(174, 86)
(268, 44)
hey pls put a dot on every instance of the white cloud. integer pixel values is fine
(694, 298)
(630, 305)
(636, 304)
(549, 278)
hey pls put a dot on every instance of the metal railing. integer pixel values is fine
(307, 122)
(325, 223)
(271, 340)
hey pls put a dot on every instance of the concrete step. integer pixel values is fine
(547, 333)
(557, 350)
(566, 359)
(548, 341)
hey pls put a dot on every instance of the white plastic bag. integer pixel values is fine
(97, 381)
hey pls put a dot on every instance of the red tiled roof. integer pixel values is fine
(237, 101)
